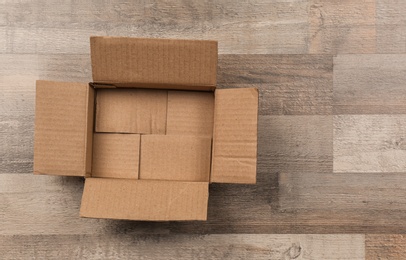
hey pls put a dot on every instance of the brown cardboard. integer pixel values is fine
(144, 199)
(190, 113)
(63, 128)
(188, 138)
(116, 155)
(235, 136)
(140, 111)
(181, 158)
(154, 62)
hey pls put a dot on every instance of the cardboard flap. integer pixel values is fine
(234, 157)
(144, 199)
(63, 128)
(167, 63)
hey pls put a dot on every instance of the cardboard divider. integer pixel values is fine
(139, 111)
(182, 158)
(144, 199)
(190, 113)
(116, 155)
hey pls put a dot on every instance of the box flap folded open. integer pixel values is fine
(63, 128)
(144, 199)
(234, 156)
(154, 63)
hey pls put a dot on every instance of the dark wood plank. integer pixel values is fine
(342, 26)
(388, 247)
(288, 84)
(369, 84)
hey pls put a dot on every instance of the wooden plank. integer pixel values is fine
(298, 143)
(184, 246)
(342, 26)
(369, 143)
(391, 26)
(369, 84)
(352, 193)
(389, 247)
(55, 27)
(288, 84)
(49, 205)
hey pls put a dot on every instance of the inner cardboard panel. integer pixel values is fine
(153, 134)
(116, 155)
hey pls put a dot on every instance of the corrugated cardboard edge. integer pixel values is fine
(191, 87)
(90, 113)
(248, 177)
(139, 200)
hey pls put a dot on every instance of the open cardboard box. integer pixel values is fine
(150, 133)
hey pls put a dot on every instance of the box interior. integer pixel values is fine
(153, 134)
(151, 131)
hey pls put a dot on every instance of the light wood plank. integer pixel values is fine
(388, 247)
(342, 26)
(369, 143)
(64, 27)
(391, 26)
(184, 247)
(370, 84)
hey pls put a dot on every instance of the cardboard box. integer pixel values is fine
(150, 133)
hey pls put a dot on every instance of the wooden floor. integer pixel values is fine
(332, 129)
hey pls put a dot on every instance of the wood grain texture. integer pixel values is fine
(342, 26)
(295, 144)
(370, 84)
(64, 27)
(317, 173)
(391, 26)
(388, 247)
(288, 84)
(369, 143)
(183, 246)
